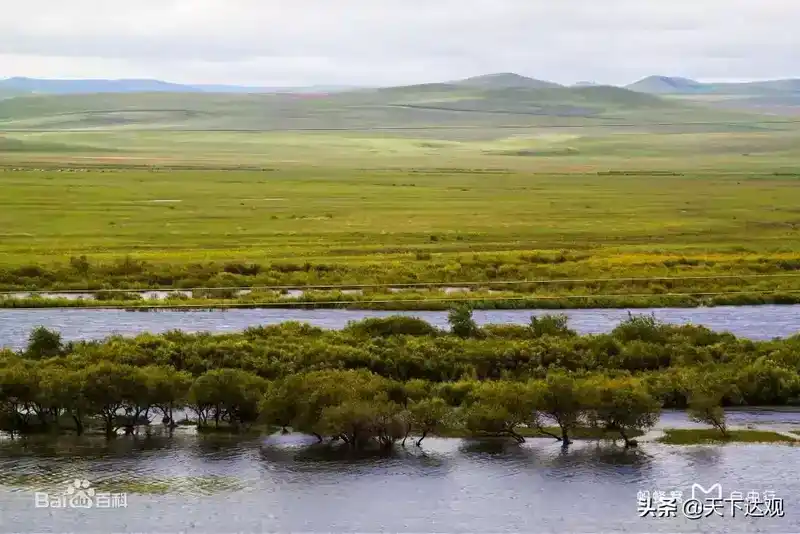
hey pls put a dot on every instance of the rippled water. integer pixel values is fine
(187, 483)
(756, 322)
(280, 484)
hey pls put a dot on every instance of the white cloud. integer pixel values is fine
(300, 42)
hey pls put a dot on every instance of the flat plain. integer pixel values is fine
(479, 200)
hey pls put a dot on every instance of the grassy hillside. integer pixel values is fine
(781, 105)
(676, 85)
(667, 85)
(506, 80)
(464, 185)
(523, 149)
(458, 105)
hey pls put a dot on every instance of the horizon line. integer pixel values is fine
(378, 86)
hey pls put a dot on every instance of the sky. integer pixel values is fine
(396, 42)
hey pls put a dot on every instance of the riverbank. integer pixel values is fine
(397, 300)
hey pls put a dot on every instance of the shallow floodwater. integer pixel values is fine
(755, 322)
(281, 484)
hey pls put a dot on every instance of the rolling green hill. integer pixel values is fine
(684, 86)
(487, 102)
(505, 80)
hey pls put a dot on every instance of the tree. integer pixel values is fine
(623, 405)
(562, 399)
(396, 325)
(19, 389)
(61, 393)
(114, 392)
(352, 406)
(427, 416)
(44, 343)
(166, 390)
(705, 394)
(461, 322)
(501, 407)
(551, 325)
(360, 419)
(230, 395)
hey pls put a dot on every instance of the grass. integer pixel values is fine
(700, 436)
(580, 434)
(429, 300)
(420, 106)
(693, 214)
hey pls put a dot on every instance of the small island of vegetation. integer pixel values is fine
(397, 380)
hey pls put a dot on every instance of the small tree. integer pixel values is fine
(562, 399)
(167, 389)
(230, 395)
(44, 343)
(551, 325)
(111, 390)
(705, 395)
(461, 322)
(427, 416)
(623, 405)
(501, 407)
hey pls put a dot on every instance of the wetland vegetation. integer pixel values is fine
(396, 239)
(631, 199)
(380, 382)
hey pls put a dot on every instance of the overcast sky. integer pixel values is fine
(387, 42)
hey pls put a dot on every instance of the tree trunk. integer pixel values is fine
(78, 423)
(565, 436)
(517, 437)
(722, 428)
(408, 431)
(628, 442)
(546, 433)
(110, 430)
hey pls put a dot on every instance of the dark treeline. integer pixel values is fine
(380, 381)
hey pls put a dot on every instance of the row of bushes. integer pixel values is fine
(421, 266)
(378, 380)
(360, 408)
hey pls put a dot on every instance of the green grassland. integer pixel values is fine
(684, 436)
(505, 184)
(436, 106)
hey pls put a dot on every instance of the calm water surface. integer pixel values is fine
(756, 322)
(280, 484)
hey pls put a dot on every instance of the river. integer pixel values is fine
(755, 322)
(188, 483)
(220, 485)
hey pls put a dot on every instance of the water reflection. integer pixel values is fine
(197, 483)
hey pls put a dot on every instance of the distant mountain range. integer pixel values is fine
(64, 87)
(503, 100)
(658, 85)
